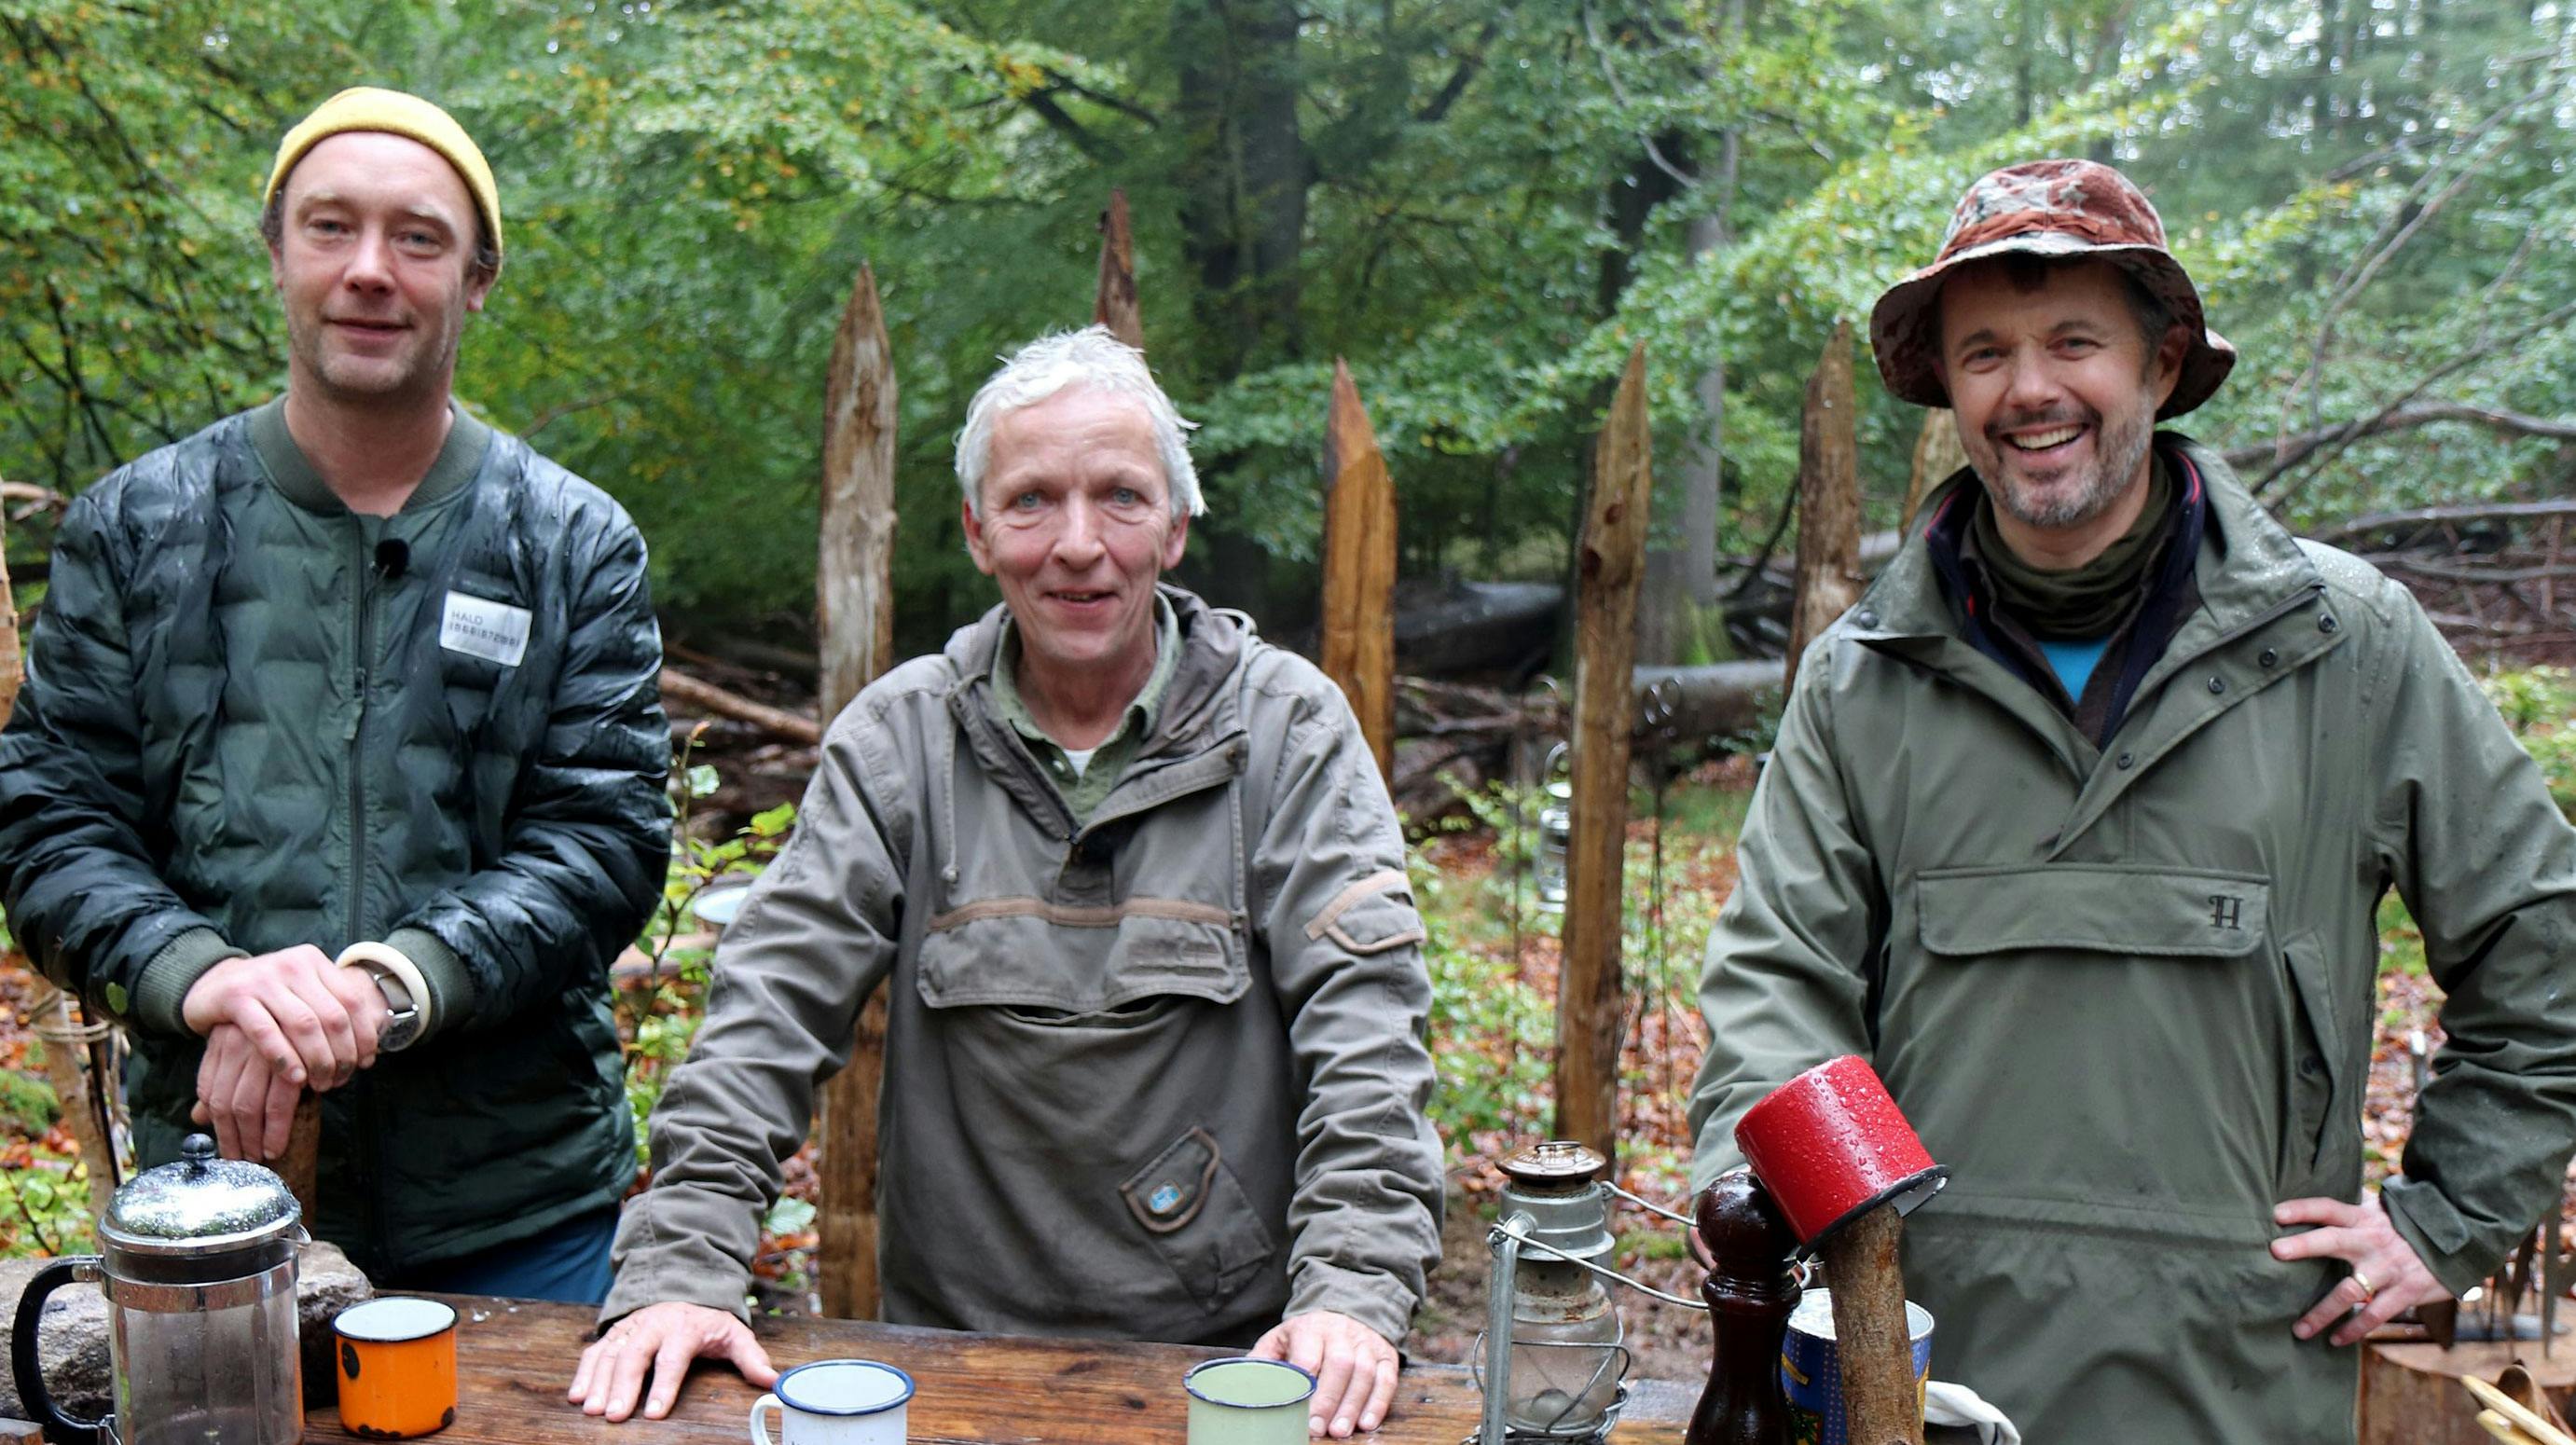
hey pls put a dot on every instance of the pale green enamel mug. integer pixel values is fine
(1248, 1402)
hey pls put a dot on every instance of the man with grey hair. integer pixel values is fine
(1154, 1060)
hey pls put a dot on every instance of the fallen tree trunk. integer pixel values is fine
(2419, 518)
(679, 687)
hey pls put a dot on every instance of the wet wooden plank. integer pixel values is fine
(514, 1359)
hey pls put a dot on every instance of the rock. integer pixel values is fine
(72, 1342)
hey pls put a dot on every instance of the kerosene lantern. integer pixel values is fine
(1553, 1363)
(1555, 830)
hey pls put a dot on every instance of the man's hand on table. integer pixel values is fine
(1354, 1369)
(661, 1340)
(2387, 1275)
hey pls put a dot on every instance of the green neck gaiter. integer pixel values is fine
(2086, 602)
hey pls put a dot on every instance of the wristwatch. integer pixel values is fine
(406, 993)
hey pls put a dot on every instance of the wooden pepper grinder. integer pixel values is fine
(1750, 1292)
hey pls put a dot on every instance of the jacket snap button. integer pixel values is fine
(2269, 657)
(2326, 622)
(2218, 684)
(1865, 618)
(2128, 759)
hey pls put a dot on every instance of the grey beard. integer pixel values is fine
(2122, 450)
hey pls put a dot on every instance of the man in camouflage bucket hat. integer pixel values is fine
(2076, 828)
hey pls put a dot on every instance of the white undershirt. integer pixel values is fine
(1080, 759)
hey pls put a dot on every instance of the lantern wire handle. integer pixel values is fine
(1646, 1204)
(1527, 1244)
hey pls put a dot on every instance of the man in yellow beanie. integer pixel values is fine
(339, 766)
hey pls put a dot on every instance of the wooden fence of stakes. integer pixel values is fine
(854, 602)
(1829, 576)
(1358, 645)
(1609, 567)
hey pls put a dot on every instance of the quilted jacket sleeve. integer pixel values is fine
(83, 896)
(589, 833)
(2487, 864)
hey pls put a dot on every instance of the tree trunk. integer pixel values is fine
(1588, 1010)
(1243, 217)
(1115, 305)
(855, 597)
(1937, 454)
(1829, 575)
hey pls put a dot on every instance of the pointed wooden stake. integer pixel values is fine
(1609, 568)
(1359, 569)
(1116, 306)
(1829, 575)
(855, 602)
(12, 669)
(1937, 454)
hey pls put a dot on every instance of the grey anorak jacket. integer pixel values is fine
(1157, 1075)
(2126, 994)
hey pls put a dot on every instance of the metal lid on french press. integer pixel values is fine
(201, 1204)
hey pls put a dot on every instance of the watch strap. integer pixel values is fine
(388, 964)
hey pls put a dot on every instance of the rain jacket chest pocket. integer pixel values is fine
(2098, 1033)
(2137, 911)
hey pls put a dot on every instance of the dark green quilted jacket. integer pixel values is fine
(244, 729)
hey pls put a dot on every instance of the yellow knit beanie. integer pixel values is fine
(365, 107)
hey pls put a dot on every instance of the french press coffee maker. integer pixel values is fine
(198, 1265)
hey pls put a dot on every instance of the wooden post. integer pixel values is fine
(1608, 569)
(855, 602)
(12, 669)
(1116, 306)
(1359, 569)
(1829, 575)
(1937, 454)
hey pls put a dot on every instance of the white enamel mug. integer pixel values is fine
(836, 1402)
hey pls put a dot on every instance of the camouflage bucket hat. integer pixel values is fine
(2045, 208)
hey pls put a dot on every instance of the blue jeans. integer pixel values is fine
(567, 1262)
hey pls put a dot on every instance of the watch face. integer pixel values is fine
(400, 1029)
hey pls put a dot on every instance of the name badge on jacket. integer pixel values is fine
(479, 627)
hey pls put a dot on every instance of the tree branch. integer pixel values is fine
(2292, 450)
(1468, 66)
(2345, 436)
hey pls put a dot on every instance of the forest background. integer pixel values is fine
(1482, 204)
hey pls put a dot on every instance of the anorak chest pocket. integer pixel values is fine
(1033, 956)
(1197, 1218)
(2137, 911)
(2108, 1031)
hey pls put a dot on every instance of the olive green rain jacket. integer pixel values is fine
(2126, 994)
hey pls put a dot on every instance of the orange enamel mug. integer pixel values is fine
(397, 1367)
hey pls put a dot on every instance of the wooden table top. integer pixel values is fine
(514, 1359)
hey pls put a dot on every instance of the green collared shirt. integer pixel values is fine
(1083, 788)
